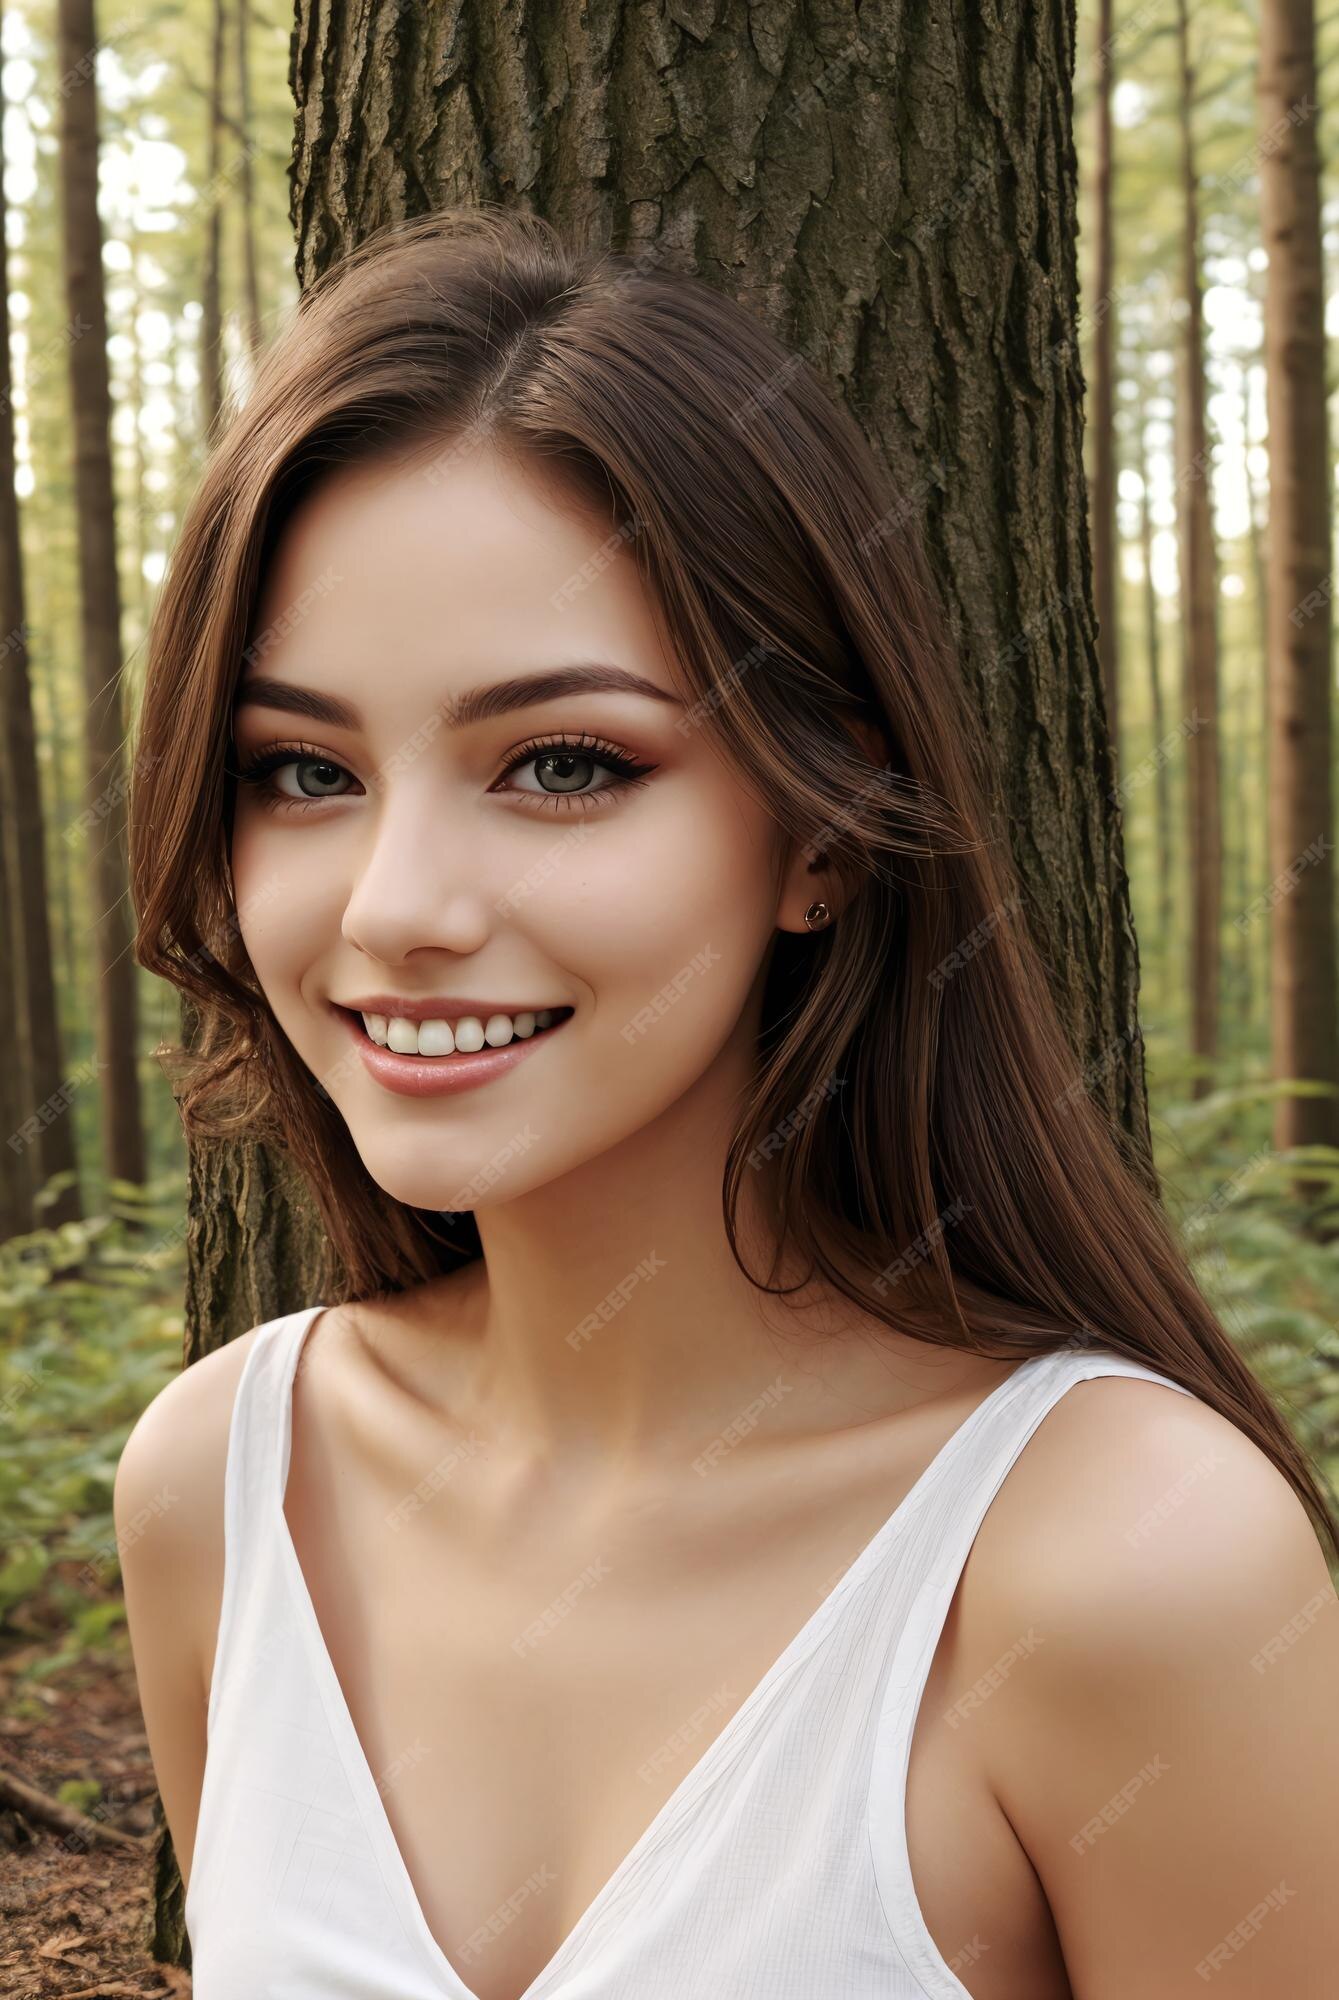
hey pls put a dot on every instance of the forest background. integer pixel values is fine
(197, 263)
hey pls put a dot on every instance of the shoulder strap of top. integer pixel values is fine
(937, 1549)
(990, 1443)
(257, 1457)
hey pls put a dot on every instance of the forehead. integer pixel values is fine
(463, 555)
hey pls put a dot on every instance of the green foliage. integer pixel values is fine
(1256, 1251)
(90, 1329)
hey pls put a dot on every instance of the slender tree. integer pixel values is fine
(1103, 496)
(1199, 612)
(16, 1160)
(211, 320)
(100, 594)
(1304, 985)
(31, 1021)
(1162, 804)
(245, 182)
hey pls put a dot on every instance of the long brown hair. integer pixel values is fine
(923, 1119)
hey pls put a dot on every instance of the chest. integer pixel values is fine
(523, 1751)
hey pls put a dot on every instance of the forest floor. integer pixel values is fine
(74, 1913)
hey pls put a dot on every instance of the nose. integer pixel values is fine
(417, 882)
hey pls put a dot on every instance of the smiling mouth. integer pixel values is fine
(559, 1014)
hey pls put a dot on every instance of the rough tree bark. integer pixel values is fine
(29, 992)
(1199, 615)
(1103, 495)
(1304, 988)
(100, 598)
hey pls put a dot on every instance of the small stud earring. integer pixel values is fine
(816, 916)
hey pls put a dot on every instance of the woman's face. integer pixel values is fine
(420, 847)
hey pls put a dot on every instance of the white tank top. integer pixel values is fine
(777, 1870)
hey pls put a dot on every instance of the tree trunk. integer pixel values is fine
(1162, 805)
(39, 1143)
(246, 183)
(100, 598)
(16, 1161)
(1199, 617)
(211, 309)
(1106, 586)
(1252, 744)
(1304, 989)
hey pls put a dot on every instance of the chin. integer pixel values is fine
(435, 1174)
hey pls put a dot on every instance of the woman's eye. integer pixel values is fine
(314, 776)
(322, 775)
(586, 773)
(561, 771)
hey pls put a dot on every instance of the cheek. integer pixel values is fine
(665, 922)
(285, 900)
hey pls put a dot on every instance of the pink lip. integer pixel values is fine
(439, 1076)
(444, 1010)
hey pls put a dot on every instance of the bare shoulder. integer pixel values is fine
(168, 1494)
(1163, 1634)
(167, 1506)
(1126, 1479)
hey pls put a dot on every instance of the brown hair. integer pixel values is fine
(925, 1124)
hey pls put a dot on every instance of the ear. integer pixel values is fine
(808, 878)
(871, 737)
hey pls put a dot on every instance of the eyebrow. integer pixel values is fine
(478, 704)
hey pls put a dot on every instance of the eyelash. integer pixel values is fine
(628, 771)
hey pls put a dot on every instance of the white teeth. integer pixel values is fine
(438, 1038)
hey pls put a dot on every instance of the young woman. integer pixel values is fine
(759, 1506)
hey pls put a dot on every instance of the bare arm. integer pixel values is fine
(1169, 1752)
(167, 1504)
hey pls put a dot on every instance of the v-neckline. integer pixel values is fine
(354, 1758)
